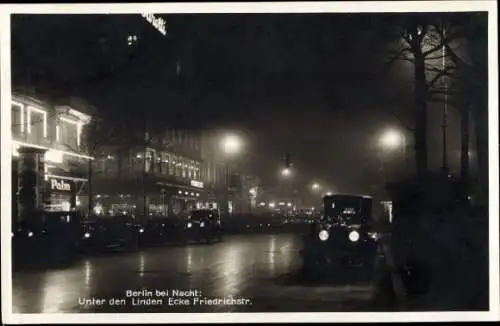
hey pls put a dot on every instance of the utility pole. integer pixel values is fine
(444, 124)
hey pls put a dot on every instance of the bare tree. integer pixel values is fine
(420, 43)
(471, 94)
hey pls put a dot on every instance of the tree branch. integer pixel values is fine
(461, 64)
(401, 120)
(398, 55)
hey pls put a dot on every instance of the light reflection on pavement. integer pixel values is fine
(258, 267)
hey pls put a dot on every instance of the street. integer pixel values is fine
(263, 270)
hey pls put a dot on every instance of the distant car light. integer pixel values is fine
(354, 236)
(323, 235)
(141, 230)
(86, 235)
(189, 225)
(374, 236)
(30, 234)
(202, 224)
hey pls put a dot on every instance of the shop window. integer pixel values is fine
(123, 209)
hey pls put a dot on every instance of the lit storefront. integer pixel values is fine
(47, 171)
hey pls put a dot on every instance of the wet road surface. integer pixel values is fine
(260, 270)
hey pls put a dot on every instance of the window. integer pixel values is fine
(171, 166)
(17, 117)
(184, 168)
(149, 167)
(68, 133)
(160, 162)
(177, 166)
(36, 122)
(138, 162)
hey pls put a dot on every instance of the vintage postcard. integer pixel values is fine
(249, 162)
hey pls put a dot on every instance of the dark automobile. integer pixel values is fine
(343, 239)
(46, 238)
(202, 225)
(157, 231)
(110, 232)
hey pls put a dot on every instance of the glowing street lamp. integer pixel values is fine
(232, 144)
(392, 139)
(315, 186)
(286, 172)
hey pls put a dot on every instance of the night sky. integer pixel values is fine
(312, 85)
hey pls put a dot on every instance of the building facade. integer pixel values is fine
(49, 159)
(155, 176)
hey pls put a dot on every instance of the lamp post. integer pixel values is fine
(232, 147)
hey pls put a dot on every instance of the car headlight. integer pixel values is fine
(86, 235)
(202, 224)
(354, 236)
(323, 235)
(141, 230)
(30, 234)
(189, 225)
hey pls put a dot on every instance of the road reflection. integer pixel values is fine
(246, 265)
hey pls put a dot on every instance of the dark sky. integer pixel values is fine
(311, 85)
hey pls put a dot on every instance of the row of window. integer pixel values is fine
(159, 163)
(162, 163)
(35, 124)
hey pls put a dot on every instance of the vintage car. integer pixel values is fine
(46, 238)
(103, 233)
(342, 241)
(158, 231)
(202, 225)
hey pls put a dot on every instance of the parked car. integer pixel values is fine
(104, 233)
(203, 225)
(46, 238)
(158, 231)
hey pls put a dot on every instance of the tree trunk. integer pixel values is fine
(420, 111)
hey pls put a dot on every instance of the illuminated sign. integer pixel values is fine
(157, 22)
(197, 184)
(59, 185)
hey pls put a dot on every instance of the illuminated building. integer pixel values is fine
(157, 179)
(49, 161)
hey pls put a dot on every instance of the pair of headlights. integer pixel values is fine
(324, 235)
(190, 225)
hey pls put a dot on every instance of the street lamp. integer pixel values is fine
(315, 186)
(286, 172)
(232, 144)
(393, 139)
